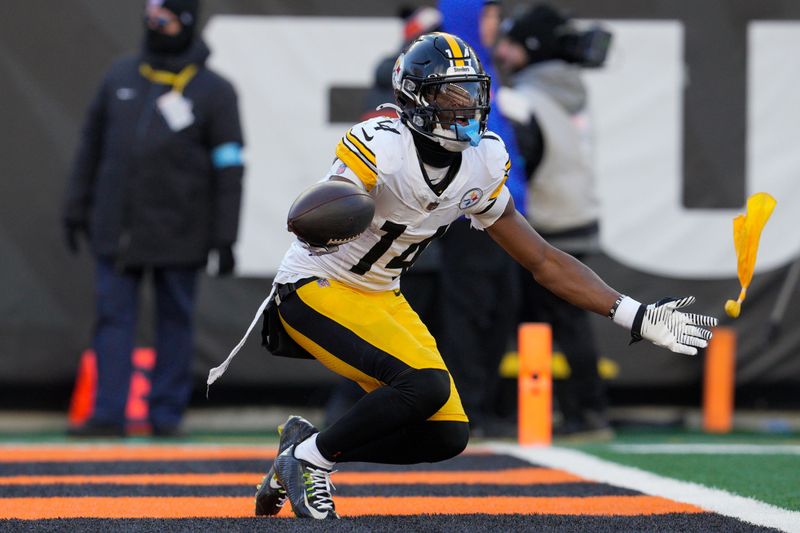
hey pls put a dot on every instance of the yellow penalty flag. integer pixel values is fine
(746, 235)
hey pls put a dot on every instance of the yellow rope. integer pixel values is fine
(178, 81)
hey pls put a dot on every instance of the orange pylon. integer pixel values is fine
(535, 385)
(718, 381)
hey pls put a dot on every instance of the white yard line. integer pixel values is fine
(709, 448)
(718, 501)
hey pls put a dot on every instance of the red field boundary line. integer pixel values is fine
(230, 507)
(512, 476)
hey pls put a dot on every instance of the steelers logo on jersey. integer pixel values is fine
(470, 198)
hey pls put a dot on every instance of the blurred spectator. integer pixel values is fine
(155, 190)
(478, 281)
(543, 53)
(415, 23)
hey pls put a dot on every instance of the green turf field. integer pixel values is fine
(772, 477)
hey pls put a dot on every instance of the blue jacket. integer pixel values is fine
(461, 18)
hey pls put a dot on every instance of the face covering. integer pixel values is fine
(160, 43)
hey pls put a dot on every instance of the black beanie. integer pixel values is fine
(536, 30)
(185, 10)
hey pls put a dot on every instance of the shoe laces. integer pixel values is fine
(319, 485)
(282, 495)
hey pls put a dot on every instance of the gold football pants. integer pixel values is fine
(368, 337)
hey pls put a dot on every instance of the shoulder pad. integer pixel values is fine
(372, 147)
(494, 155)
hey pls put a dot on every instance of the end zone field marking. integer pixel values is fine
(17, 452)
(514, 476)
(238, 507)
(49, 454)
(718, 501)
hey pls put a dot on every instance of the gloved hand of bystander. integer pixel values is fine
(73, 233)
(221, 261)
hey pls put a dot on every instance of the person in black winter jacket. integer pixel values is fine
(155, 188)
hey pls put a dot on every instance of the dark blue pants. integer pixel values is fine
(117, 301)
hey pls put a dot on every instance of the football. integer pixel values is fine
(330, 213)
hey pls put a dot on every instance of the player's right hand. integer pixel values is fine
(662, 324)
(314, 249)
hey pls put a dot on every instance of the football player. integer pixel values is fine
(424, 169)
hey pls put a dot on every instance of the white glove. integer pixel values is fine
(662, 324)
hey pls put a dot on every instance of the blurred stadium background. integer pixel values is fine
(697, 108)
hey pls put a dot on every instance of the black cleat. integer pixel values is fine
(307, 486)
(270, 495)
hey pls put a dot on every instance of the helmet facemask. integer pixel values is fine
(458, 109)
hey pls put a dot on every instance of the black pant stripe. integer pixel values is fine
(340, 341)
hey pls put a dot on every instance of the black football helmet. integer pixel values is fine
(442, 90)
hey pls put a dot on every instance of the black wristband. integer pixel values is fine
(636, 328)
(613, 310)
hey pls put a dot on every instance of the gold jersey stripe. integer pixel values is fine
(499, 188)
(508, 164)
(361, 169)
(366, 152)
(367, 157)
(457, 54)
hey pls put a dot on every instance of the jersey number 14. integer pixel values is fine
(405, 260)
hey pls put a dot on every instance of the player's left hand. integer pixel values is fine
(662, 324)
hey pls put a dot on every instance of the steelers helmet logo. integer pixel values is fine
(397, 73)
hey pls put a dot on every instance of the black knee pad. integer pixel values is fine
(447, 439)
(426, 390)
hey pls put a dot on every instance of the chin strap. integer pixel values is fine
(390, 106)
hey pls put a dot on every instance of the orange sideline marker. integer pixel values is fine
(718, 381)
(84, 393)
(81, 405)
(535, 385)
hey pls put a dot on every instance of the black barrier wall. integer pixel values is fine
(53, 54)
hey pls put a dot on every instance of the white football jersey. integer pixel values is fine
(379, 155)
